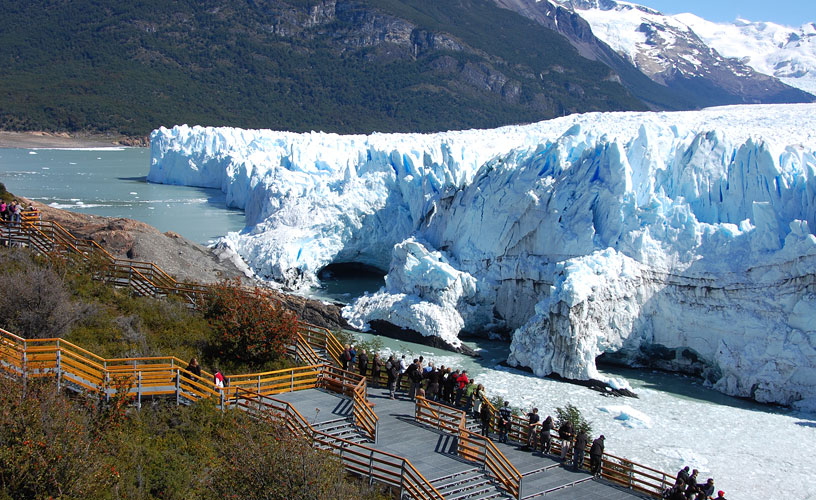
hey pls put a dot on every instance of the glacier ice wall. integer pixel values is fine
(679, 240)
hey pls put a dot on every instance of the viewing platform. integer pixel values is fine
(434, 452)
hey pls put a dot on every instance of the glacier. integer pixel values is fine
(679, 240)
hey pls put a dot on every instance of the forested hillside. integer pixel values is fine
(342, 66)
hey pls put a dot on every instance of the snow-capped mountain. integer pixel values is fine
(680, 240)
(784, 52)
(670, 52)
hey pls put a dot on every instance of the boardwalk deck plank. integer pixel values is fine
(434, 453)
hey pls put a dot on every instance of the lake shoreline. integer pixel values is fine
(26, 140)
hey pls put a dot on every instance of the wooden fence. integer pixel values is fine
(470, 446)
(364, 461)
(621, 471)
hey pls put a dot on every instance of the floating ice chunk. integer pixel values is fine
(628, 416)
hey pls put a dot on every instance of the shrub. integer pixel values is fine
(248, 327)
(49, 446)
(262, 460)
(572, 414)
(35, 302)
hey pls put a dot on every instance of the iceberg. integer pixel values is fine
(678, 240)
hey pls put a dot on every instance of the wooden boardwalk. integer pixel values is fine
(434, 453)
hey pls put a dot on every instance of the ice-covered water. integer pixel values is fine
(751, 450)
(112, 182)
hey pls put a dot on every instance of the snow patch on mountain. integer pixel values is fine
(681, 240)
(670, 52)
(773, 49)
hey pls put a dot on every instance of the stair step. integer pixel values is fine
(456, 478)
(471, 494)
(475, 482)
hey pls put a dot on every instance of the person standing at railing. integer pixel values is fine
(484, 415)
(546, 435)
(470, 390)
(478, 396)
(532, 428)
(691, 484)
(580, 450)
(683, 475)
(720, 495)
(504, 421)
(462, 382)
(450, 386)
(15, 211)
(596, 455)
(353, 360)
(706, 490)
(193, 368)
(676, 492)
(392, 371)
(433, 383)
(403, 367)
(565, 433)
(415, 376)
(3, 210)
(218, 380)
(33, 212)
(376, 368)
(345, 357)
(362, 362)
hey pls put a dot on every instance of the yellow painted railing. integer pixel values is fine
(367, 462)
(471, 446)
(622, 471)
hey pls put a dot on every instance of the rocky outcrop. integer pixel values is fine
(179, 257)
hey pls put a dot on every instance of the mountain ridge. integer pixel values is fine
(332, 65)
(665, 50)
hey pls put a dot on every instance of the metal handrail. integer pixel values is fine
(357, 458)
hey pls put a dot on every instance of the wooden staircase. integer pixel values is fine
(472, 484)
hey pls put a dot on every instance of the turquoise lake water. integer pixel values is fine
(112, 182)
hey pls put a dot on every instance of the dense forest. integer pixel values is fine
(337, 66)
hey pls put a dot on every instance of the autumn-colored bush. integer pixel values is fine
(248, 326)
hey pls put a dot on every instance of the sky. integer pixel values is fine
(787, 12)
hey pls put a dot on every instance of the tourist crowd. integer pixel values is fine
(453, 387)
(13, 212)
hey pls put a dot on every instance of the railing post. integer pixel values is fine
(25, 362)
(139, 390)
(178, 386)
(371, 467)
(106, 385)
(222, 399)
(519, 495)
(402, 479)
(631, 475)
(59, 367)
(259, 384)
(292, 381)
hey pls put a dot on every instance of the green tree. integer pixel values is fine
(570, 413)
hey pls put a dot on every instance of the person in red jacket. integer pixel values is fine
(462, 381)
